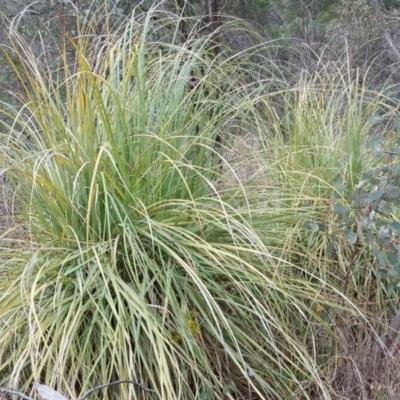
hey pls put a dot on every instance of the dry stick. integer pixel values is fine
(89, 392)
(22, 13)
(385, 31)
(14, 392)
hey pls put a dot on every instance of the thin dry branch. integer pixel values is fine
(15, 393)
(381, 20)
(46, 393)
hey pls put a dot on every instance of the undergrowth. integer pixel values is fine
(141, 261)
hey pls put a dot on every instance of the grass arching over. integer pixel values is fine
(322, 150)
(138, 267)
(321, 139)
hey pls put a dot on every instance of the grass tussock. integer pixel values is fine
(148, 256)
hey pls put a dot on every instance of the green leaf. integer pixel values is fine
(341, 210)
(375, 250)
(377, 151)
(375, 119)
(393, 258)
(370, 237)
(383, 235)
(338, 183)
(350, 236)
(367, 221)
(395, 226)
(322, 227)
(395, 181)
(390, 287)
(229, 388)
(383, 207)
(395, 169)
(330, 250)
(311, 226)
(369, 173)
(384, 169)
(362, 193)
(394, 193)
(206, 394)
(374, 180)
(314, 227)
(375, 195)
(349, 221)
(381, 257)
(376, 140)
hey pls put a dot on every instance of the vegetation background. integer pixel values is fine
(134, 247)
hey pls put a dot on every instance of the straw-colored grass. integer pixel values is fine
(150, 256)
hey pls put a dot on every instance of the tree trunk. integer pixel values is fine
(213, 22)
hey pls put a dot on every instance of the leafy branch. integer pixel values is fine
(368, 220)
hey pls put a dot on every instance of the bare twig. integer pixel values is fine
(15, 393)
(22, 13)
(381, 20)
(88, 393)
